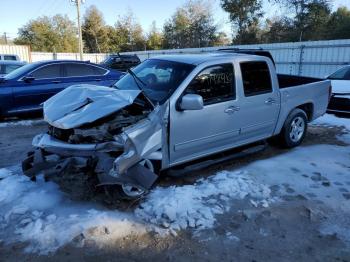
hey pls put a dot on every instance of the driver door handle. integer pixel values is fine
(270, 101)
(231, 109)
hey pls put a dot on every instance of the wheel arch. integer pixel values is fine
(307, 107)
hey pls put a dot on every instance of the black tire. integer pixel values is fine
(294, 129)
(127, 192)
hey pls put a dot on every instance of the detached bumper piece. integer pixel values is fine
(41, 162)
(48, 164)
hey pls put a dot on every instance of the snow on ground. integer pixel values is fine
(319, 172)
(344, 138)
(22, 123)
(38, 213)
(195, 206)
(332, 120)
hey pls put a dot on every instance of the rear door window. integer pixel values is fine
(215, 84)
(76, 70)
(48, 71)
(256, 78)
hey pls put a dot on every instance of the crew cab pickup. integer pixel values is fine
(170, 111)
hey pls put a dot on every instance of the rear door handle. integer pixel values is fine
(98, 79)
(232, 109)
(56, 81)
(270, 101)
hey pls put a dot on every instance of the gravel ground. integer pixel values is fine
(16, 141)
(287, 231)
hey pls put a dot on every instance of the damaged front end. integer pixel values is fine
(114, 134)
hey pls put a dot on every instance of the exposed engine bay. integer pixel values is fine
(101, 130)
(117, 144)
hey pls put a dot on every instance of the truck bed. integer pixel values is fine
(291, 80)
(312, 93)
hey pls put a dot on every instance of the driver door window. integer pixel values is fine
(215, 84)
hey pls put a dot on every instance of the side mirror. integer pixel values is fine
(2, 79)
(191, 102)
(28, 79)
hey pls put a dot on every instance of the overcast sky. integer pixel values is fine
(15, 13)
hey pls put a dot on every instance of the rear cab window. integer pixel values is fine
(215, 84)
(256, 78)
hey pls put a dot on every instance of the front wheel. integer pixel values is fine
(129, 192)
(294, 129)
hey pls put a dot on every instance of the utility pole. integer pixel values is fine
(5, 37)
(80, 37)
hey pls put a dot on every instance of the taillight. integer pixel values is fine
(330, 93)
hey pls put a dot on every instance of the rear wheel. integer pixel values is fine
(294, 129)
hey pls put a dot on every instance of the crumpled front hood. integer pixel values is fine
(82, 104)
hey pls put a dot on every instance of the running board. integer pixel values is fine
(177, 172)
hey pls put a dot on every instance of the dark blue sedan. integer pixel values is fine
(26, 88)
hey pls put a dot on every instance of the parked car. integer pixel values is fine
(25, 89)
(171, 112)
(340, 100)
(7, 67)
(121, 62)
(9, 57)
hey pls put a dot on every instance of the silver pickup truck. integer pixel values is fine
(172, 111)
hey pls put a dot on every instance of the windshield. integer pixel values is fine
(160, 78)
(20, 71)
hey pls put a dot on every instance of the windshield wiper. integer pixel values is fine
(137, 80)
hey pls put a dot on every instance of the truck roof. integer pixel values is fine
(196, 59)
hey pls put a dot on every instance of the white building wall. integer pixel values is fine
(94, 58)
(313, 58)
(22, 51)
